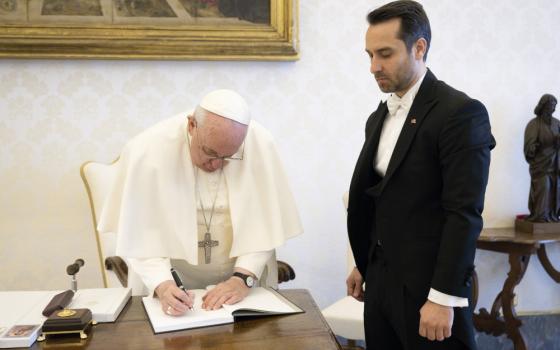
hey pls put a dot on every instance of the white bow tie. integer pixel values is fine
(394, 102)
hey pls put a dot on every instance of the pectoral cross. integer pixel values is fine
(207, 244)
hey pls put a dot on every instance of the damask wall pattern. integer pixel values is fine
(54, 115)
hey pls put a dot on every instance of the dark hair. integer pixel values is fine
(545, 99)
(414, 21)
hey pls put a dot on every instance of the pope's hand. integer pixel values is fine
(228, 292)
(174, 301)
(435, 321)
(354, 285)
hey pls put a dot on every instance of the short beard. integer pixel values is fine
(404, 81)
(401, 81)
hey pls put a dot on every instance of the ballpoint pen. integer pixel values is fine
(179, 282)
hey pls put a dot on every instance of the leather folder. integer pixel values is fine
(58, 302)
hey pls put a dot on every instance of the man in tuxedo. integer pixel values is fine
(417, 194)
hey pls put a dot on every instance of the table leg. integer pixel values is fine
(474, 294)
(492, 323)
(547, 265)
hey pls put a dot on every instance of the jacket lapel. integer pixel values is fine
(375, 133)
(423, 103)
(364, 175)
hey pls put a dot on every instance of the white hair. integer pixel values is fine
(200, 115)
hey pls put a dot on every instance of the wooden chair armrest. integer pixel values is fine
(119, 266)
(285, 272)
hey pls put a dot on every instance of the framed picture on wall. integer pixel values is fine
(150, 29)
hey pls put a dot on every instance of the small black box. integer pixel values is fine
(68, 321)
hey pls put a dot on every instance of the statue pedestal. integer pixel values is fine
(537, 227)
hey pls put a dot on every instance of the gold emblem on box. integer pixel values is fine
(66, 313)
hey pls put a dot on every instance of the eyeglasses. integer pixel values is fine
(209, 154)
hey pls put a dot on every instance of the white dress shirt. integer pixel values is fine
(392, 126)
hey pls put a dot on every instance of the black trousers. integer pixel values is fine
(392, 315)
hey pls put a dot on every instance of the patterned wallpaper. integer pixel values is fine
(54, 115)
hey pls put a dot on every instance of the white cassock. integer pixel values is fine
(155, 210)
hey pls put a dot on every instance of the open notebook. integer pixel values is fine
(260, 302)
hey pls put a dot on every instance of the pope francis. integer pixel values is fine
(205, 193)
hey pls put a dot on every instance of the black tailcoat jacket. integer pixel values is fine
(427, 208)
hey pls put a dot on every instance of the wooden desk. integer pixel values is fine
(132, 331)
(519, 246)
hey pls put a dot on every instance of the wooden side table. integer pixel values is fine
(519, 246)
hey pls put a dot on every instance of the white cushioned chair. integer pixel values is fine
(346, 316)
(98, 178)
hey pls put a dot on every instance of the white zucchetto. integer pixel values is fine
(228, 104)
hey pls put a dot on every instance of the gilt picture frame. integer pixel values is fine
(150, 29)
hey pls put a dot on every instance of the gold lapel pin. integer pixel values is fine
(413, 121)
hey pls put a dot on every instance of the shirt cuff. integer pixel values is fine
(152, 271)
(446, 299)
(254, 262)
